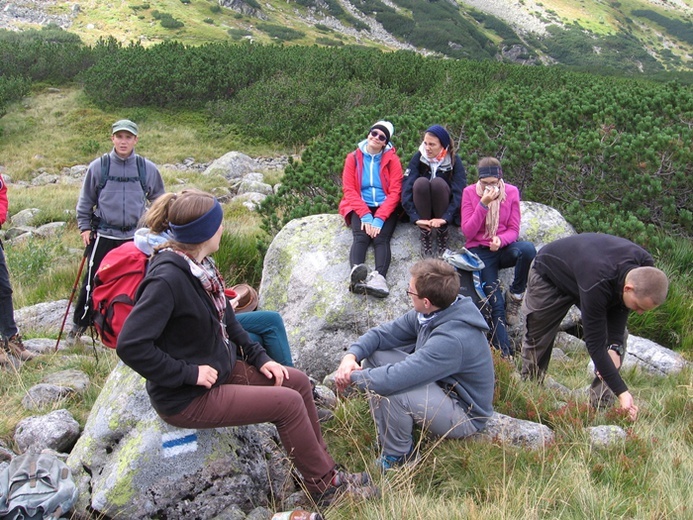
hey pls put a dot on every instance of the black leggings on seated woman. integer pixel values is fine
(381, 243)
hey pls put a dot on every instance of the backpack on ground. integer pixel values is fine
(115, 284)
(36, 486)
(468, 266)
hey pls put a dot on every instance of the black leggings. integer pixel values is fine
(431, 198)
(381, 243)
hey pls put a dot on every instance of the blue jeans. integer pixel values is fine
(8, 327)
(519, 255)
(267, 328)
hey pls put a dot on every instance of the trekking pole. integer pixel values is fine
(87, 252)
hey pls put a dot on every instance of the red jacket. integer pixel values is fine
(390, 177)
(3, 201)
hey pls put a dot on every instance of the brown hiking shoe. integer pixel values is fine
(513, 305)
(15, 347)
(356, 486)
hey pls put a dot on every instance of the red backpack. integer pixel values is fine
(115, 284)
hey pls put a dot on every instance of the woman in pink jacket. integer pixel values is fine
(372, 184)
(491, 224)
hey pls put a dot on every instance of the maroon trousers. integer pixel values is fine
(248, 397)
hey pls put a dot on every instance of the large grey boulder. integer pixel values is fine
(305, 279)
(649, 357)
(231, 166)
(516, 432)
(57, 431)
(128, 463)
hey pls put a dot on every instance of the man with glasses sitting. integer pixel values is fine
(431, 367)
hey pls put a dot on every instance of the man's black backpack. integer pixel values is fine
(36, 486)
(468, 266)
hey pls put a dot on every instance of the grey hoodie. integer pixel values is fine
(450, 349)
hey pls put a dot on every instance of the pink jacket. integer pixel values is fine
(474, 217)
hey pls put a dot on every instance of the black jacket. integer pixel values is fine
(173, 328)
(455, 175)
(592, 268)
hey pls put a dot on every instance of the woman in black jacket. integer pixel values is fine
(432, 189)
(202, 369)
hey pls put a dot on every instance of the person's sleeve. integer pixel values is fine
(155, 183)
(397, 333)
(410, 177)
(459, 183)
(426, 365)
(394, 190)
(512, 227)
(473, 213)
(595, 325)
(4, 205)
(146, 323)
(87, 197)
(351, 189)
(250, 351)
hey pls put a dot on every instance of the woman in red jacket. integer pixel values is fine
(372, 184)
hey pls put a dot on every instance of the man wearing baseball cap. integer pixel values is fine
(114, 196)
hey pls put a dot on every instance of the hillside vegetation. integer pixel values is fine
(629, 36)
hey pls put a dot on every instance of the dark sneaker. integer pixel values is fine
(358, 275)
(15, 347)
(356, 486)
(388, 462)
(513, 304)
(376, 285)
(426, 243)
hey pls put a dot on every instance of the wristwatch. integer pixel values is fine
(619, 349)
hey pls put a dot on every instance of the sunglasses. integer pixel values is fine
(381, 137)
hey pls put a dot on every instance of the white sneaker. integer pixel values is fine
(376, 285)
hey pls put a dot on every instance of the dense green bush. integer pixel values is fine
(281, 32)
(12, 88)
(49, 54)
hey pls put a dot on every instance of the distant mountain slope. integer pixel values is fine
(628, 36)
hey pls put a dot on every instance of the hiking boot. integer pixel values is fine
(15, 347)
(601, 395)
(426, 243)
(358, 276)
(356, 486)
(442, 237)
(513, 304)
(376, 285)
(75, 334)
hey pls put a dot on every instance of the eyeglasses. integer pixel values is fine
(492, 183)
(381, 137)
(411, 293)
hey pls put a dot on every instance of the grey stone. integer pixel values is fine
(515, 432)
(250, 200)
(50, 230)
(17, 231)
(568, 343)
(40, 345)
(649, 357)
(232, 165)
(45, 178)
(44, 394)
(128, 463)
(76, 380)
(57, 430)
(25, 217)
(250, 186)
(605, 436)
(43, 317)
